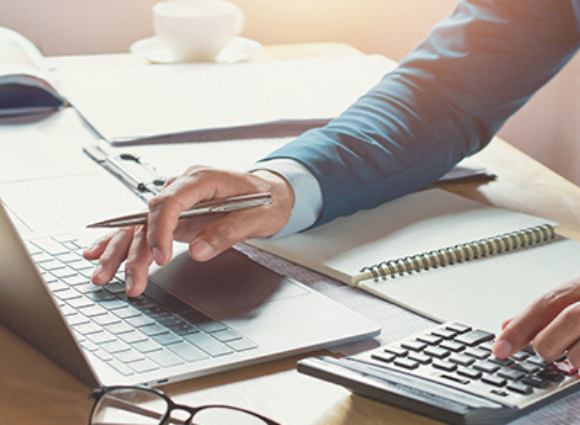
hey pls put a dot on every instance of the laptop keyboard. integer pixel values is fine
(133, 335)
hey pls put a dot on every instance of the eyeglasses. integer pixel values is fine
(128, 405)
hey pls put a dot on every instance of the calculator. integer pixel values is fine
(450, 374)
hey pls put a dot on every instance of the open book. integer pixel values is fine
(441, 255)
(24, 83)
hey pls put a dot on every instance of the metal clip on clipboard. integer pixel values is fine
(141, 178)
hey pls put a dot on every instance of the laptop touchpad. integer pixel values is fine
(231, 283)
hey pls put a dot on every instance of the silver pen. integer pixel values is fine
(203, 208)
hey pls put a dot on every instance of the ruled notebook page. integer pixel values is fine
(417, 223)
(484, 292)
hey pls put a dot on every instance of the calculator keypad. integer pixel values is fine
(457, 355)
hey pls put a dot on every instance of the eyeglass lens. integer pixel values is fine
(134, 406)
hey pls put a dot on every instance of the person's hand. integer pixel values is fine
(207, 236)
(551, 324)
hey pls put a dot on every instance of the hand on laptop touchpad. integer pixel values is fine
(230, 283)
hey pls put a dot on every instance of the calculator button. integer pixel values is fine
(455, 378)
(406, 363)
(536, 381)
(416, 346)
(440, 353)
(518, 387)
(552, 375)
(384, 357)
(511, 374)
(476, 353)
(520, 355)
(444, 333)
(566, 367)
(469, 373)
(458, 327)
(452, 345)
(494, 380)
(397, 351)
(474, 337)
(419, 357)
(535, 359)
(501, 362)
(526, 367)
(443, 365)
(429, 339)
(461, 359)
(485, 366)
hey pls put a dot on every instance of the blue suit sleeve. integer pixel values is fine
(445, 101)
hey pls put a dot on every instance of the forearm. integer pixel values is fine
(444, 102)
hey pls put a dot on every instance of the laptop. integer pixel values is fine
(194, 318)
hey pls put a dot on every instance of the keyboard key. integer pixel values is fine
(520, 355)
(146, 346)
(165, 358)
(243, 344)
(501, 362)
(115, 346)
(552, 375)
(142, 366)
(103, 355)
(80, 302)
(106, 319)
(75, 280)
(183, 329)
(227, 335)
(211, 327)
(76, 319)
(101, 295)
(101, 337)
(126, 312)
(63, 272)
(187, 352)
(132, 337)
(119, 328)
(129, 356)
(167, 338)
(50, 245)
(93, 311)
(474, 337)
(535, 359)
(208, 344)
(139, 321)
(120, 367)
(455, 378)
(154, 329)
(87, 328)
(521, 388)
(67, 294)
(487, 345)
(113, 304)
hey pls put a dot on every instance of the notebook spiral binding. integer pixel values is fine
(462, 252)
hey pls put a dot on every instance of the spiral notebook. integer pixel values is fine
(439, 254)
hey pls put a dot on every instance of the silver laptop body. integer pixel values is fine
(195, 318)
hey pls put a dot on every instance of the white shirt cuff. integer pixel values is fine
(308, 199)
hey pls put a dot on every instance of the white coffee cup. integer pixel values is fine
(197, 30)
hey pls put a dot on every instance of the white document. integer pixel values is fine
(132, 104)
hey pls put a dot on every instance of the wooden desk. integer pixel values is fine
(35, 391)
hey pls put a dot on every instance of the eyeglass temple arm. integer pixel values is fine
(133, 408)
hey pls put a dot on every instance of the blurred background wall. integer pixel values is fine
(547, 128)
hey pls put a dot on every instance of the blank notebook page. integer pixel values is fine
(417, 223)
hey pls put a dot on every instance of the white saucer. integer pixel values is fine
(240, 49)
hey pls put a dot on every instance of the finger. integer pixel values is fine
(139, 259)
(505, 323)
(560, 334)
(522, 329)
(226, 232)
(97, 248)
(574, 354)
(112, 257)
